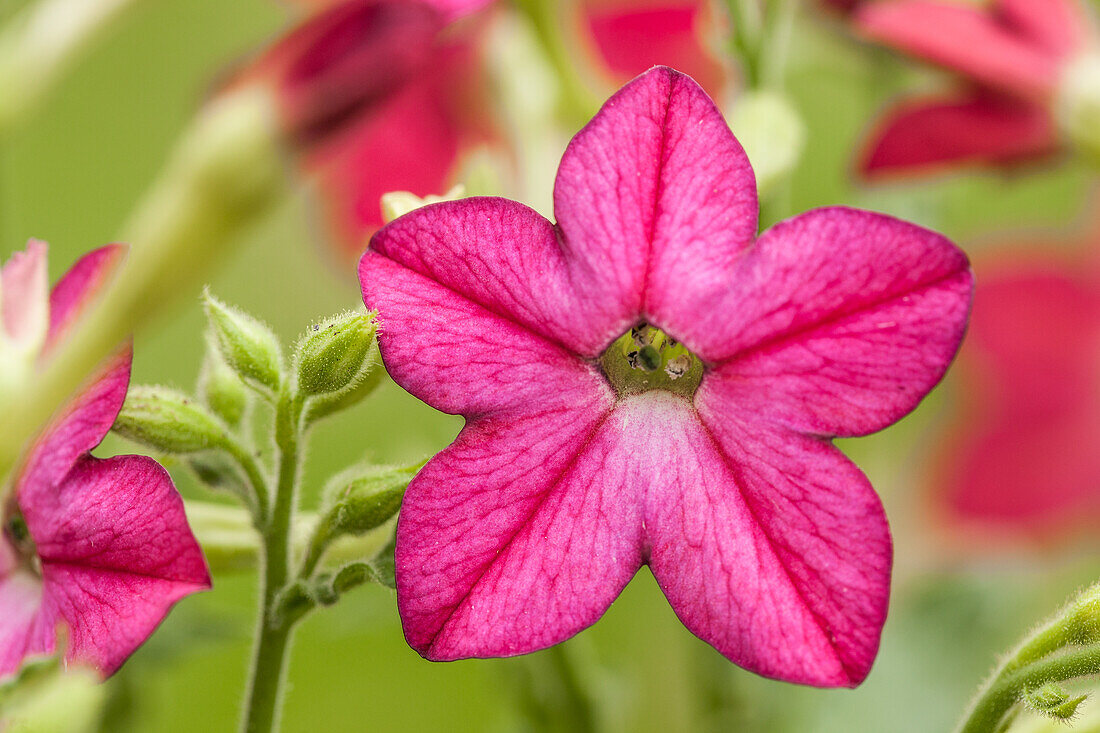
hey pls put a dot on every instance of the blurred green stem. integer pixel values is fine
(273, 633)
(42, 41)
(546, 16)
(226, 170)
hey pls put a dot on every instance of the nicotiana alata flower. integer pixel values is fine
(592, 447)
(97, 547)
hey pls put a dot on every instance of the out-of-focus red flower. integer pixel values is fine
(1026, 458)
(632, 36)
(1010, 57)
(375, 96)
(383, 95)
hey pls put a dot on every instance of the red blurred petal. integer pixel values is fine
(1059, 26)
(967, 39)
(1027, 458)
(981, 129)
(408, 144)
(632, 37)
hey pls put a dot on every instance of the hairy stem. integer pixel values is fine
(273, 633)
(1003, 690)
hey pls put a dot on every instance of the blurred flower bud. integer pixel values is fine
(773, 135)
(333, 354)
(221, 389)
(46, 698)
(399, 203)
(1077, 105)
(247, 345)
(168, 421)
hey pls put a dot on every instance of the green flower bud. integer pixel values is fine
(333, 353)
(367, 501)
(168, 421)
(330, 587)
(221, 389)
(1052, 700)
(773, 135)
(369, 377)
(247, 345)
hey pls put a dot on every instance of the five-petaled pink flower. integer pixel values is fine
(1010, 57)
(581, 460)
(1025, 459)
(100, 548)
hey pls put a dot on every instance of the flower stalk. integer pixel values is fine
(1064, 649)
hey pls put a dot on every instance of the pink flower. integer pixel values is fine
(99, 547)
(1010, 57)
(1025, 459)
(570, 474)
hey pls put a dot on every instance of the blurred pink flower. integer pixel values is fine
(386, 95)
(769, 543)
(100, 547)
(1009, 57)
(1025, 459)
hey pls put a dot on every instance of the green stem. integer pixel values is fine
(273, 635)
(577, 99)
(747, 20)
(1003, 691)
(256, 480)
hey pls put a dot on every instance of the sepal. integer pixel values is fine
(221, 389)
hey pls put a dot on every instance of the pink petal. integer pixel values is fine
(116, 554)
(76, 429)
(504, 257)
(772, 547)
(632, 39)
(449, 343)
(655, 200)
(965, 39)
(927, 133)
(79, 287)
(515, 537)
(837, 322)
(1059, 26)
(23, 284)
(23, 632)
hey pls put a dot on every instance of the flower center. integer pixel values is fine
(645, 358)
(18, 536)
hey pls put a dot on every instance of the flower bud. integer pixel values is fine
(247, 345)
(221, 389)
(773, 136)
(1051, 699)
(366, 501)
(1077, 105)
(399, 203)
(168, 421)
(333, 353)
(368, 378)
(330, 587)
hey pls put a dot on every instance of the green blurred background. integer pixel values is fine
(74, 171)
